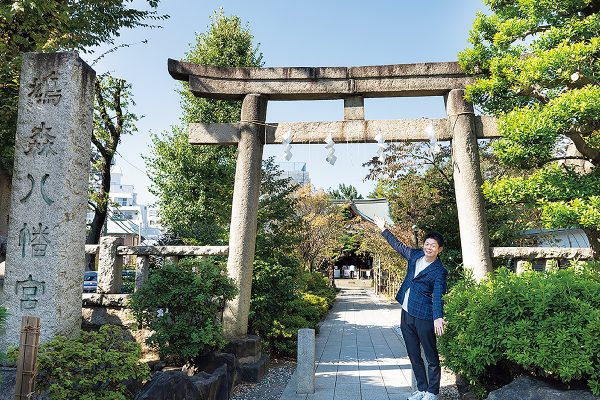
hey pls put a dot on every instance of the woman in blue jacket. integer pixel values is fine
(422, 307)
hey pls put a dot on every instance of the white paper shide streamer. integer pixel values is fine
(381, 147)
(287, 146)
(433, 143)
(331, 158)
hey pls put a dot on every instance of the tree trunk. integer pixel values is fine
(101, 209)
(594, 238)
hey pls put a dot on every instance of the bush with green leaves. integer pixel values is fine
(94, 366)
(182, 304)
(317, 284)
(541, 324)
(285, 299)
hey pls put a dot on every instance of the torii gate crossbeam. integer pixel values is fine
(256, 86)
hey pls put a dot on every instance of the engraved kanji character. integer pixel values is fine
(24, 238)
(40, 240)
(29, 292)
(46, 90)
(41, 140)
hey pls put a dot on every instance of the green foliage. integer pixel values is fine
(284, 299)
(194, 187)
(419, 186)
(277, 222)
(12, 354)
(181, 304)
(565, 197)
(320, 228)
(226, 44)
(194, 184)
(317, 284)
(345, 192)
(93, 366)
(544, 324)
(50, 25)
(538, 70)
(112, 119)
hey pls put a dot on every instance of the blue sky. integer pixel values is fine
(307, 33)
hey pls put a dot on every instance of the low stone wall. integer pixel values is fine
(103, 309)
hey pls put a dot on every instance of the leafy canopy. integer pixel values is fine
(194, 184)
(345, 192)
(538, 71)
(51, 25)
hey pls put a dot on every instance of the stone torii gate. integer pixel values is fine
(256, 86)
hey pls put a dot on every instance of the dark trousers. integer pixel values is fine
(419, 333)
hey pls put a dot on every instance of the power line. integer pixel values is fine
(124, 159)
(123, 226)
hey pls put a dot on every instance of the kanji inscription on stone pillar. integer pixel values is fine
(46, 233)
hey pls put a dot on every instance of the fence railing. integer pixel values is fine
(581, 253)
(388, 284)
(110, 253)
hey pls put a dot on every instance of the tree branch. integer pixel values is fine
(549, 160)
(538, 29)
(100, 147)
(104, 112)
(589, 152)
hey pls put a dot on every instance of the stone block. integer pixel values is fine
(247, 350)
(177, 385)
(354, 108)
(110, 265)
(170, 385)
(527, 388)
(253, 372)
(46, 234)
(305, 369)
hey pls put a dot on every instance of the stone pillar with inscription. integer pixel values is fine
(46, 232)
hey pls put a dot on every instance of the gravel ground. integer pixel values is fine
(270, 386)
(448, 389)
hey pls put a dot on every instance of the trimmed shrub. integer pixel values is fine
(285, 299)
(542, 324)
(94, 366)
(182, 304)
(317, 284)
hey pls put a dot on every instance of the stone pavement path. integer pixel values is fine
(359, 354)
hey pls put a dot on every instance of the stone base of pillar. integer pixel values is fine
(252, 363)
(252, 373)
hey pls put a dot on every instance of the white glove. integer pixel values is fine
(379, 221)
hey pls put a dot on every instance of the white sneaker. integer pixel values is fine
(417, 395)
(429, 396)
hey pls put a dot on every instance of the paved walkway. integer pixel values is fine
(359, 354)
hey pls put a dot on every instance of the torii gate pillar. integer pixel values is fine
(244, 212)
(467, 185)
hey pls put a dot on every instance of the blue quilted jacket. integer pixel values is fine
(426, 289)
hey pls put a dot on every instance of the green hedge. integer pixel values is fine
(542, 324)
(94, 366)
(285, 299)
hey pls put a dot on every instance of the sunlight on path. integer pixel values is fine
(359, 354)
